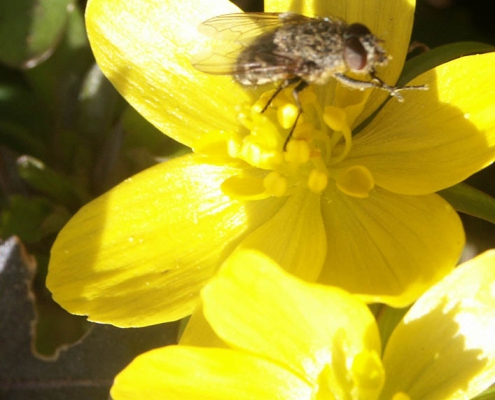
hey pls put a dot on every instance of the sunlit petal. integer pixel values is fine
(187, 373)
(389, 248)
(294, 237)
(436, 138)
(255, 306)
(139, 254)
(145, 49)
(444, 347)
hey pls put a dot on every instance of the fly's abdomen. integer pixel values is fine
(263, 62)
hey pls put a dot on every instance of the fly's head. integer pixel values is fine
(362, 50)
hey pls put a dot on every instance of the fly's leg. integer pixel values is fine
(284, 85)
(301, 85)
(275, 94)
(376, 83)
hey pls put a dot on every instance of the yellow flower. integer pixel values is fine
(282, 338)
(358, 211)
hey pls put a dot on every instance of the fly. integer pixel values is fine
(292, 49)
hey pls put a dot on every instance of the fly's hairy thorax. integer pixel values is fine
(310, 51)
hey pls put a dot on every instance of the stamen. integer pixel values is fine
(275, 184)
(336, 119)
(298, 152)
(263, 102)
(317, 180)
(320, 141)
(287, 115)
(401, 396)
(368, 372)
(244, 120)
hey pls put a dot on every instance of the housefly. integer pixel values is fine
(292, 49)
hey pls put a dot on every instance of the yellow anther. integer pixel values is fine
(251, 152)
(298, 151)
(275, 184)
(335, 118)
(367, 370)
(285, 96)
(401, 396)
(317, 180)
(260, 104)
(287, 115)
(233, 148)
(245, 120)
(320, 140)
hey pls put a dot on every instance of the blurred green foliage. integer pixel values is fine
(66, 136)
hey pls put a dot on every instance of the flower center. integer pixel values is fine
(320, 139)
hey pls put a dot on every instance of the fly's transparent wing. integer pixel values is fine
(244, 27)
(217, 63)
(233, 33)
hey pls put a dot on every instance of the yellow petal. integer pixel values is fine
(389, 248)
(188, 373)
(253, 305)
(294, 237)
(445, 348)
(145, 47)
(435, 138)
(139, 254)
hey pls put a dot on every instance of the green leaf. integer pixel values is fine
(57, 80)
(99, 104)
(440, 55)
(50, 183)
(471, 201)
(24, 216)
(82, 371)
(31, 29)
(24, 123)
(140, 133)
(20, 139)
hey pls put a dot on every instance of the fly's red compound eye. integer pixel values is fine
(357, 30)
(355, 55)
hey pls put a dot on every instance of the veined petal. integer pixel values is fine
(254, 305)
(294, 237)
(435, 138)
(187, 373)
(389, 248)
(444, 347)
(139, 254)
(145, 48)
